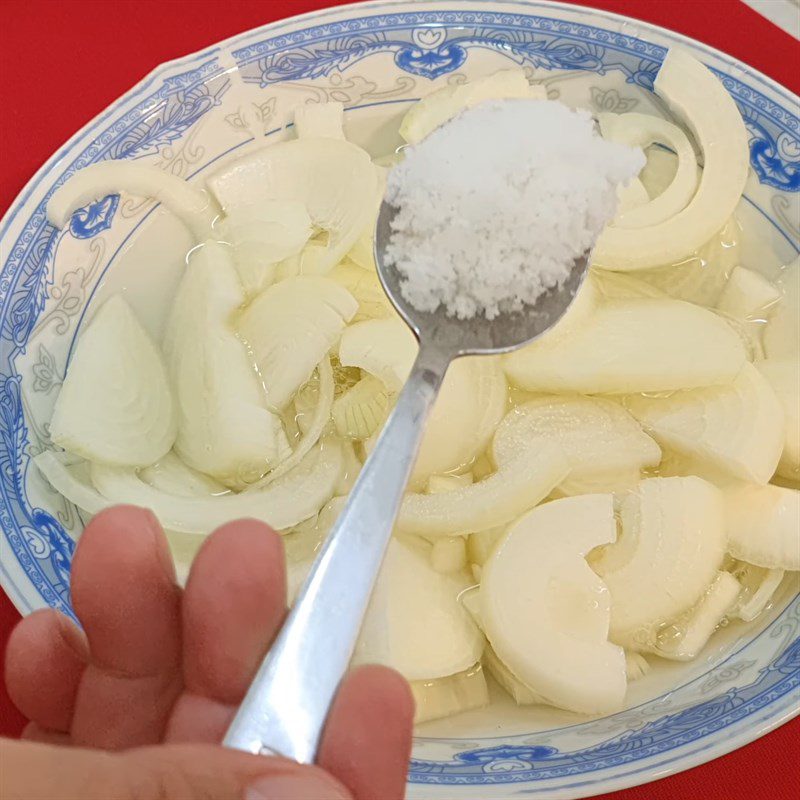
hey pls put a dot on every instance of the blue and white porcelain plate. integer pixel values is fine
(376, 58)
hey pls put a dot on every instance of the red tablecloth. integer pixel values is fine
(63, 61)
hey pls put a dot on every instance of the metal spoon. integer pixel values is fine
(285, 708)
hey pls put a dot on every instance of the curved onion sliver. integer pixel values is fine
(192, 206)
(695, 95)
(287, 502)
(322, 414)
(643, 130)
(671, 546)
(502, 497)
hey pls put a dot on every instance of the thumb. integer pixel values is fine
(179, 772)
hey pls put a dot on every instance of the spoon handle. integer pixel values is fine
(287, 703)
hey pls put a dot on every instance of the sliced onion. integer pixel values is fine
(700, 278)
(171, 475)
(298, 496)
(365, 287)
(758, 588)
(335, 180)
(644, 130)
(636, 345)
(434, 110)
(738, 428)
(698, 98)
(683, 638)
(115, 405)
(70, 481)
(314, 431)
(224, 427)
(763, 524)
(408, 590)
(192, 206)
(362, 252)
(605, 445)
(290, 327)
(502, 497)
(444, 697)
(669, 550)
(784, 377)
(264, 235)
(546, 614)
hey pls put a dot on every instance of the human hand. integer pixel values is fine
(158, 672)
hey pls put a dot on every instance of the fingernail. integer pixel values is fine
(300, 786)
(72, 637)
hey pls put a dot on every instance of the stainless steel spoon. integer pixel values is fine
(285, 708)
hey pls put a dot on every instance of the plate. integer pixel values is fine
(376, 58)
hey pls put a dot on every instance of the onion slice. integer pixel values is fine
(285, 503)
(115, 405)
(502, 497)
(290, 327)
(644, 130)
(322, 414)
(224, 427)
(192, 206)
(669, 551)
(434, 110)
(546, 614)
(334, 179)
(698, 98)
(737, 428)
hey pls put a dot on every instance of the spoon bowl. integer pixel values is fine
(477, 335)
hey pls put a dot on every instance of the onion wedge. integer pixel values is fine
(115, 405)
(407, 591)
(637, 345)
(289, 329)
(763, 524)
(739, 428)
(224, 427)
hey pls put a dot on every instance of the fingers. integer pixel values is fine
(197, 772)
(367, 740)
(45, 659)
(234, 603)
(124, 593)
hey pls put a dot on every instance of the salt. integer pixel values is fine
(494, 207)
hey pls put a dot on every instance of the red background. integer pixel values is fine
(62, 62)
